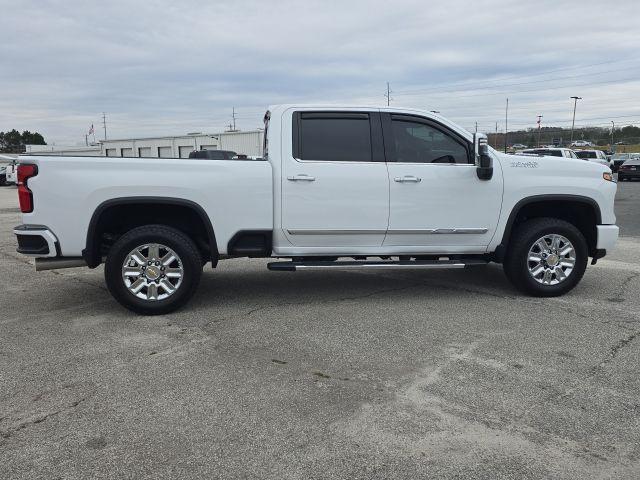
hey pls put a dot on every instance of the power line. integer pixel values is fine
(487, 87)
(633, 79)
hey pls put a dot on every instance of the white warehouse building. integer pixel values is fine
(242, 142)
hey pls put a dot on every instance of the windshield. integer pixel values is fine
(586, 154)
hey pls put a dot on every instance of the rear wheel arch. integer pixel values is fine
(582, 212)
(115, 217)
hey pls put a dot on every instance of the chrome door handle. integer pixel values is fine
(407, 179)
(301, 178)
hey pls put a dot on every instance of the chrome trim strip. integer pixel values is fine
(418, 231)
(439, 231)
(335, 232)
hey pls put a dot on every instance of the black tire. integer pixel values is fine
(516, 264)
(182, 245)
(3, 180)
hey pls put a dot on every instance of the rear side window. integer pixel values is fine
(584, 154)
(333, 137)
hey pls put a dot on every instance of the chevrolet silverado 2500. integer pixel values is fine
(337, 187)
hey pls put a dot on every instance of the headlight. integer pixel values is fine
(608, 176)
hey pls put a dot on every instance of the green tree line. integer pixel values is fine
(14, 142)
(602, 136)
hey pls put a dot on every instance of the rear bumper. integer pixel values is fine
(628, 174)
(607, 236)
(36, 241)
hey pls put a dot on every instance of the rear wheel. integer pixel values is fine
(546, 257)
(153, 269)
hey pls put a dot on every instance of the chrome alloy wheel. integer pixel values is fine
(152, 271)
(551, 259)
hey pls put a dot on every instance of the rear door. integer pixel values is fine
(335, 187)
(437, 201)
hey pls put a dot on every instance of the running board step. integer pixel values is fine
(402, 264)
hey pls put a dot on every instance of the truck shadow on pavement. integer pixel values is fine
(242, 287)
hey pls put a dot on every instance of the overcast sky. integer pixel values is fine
(171, 67)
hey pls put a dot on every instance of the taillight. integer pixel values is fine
(25, 172)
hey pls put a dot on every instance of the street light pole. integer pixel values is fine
(539, 128)
(613, 127)
(573, 123)
(506, 125)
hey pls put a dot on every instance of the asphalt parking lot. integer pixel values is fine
(420, 374)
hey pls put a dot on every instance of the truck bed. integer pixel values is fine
(236, 194)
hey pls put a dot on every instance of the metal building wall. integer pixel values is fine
(247, 143)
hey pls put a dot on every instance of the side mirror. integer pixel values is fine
(484, 162)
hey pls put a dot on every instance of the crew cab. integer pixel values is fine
(336, 188)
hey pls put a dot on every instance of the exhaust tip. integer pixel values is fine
(55, 263)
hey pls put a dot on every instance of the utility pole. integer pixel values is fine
(476, 127)
(388, 94)
(496, 140)
(539, 128)
(575, 103)
(233, 115)
(104, 125)
(506, 125)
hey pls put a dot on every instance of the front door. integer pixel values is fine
(335, 186)
(437, 201)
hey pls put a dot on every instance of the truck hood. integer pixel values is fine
(546, 162)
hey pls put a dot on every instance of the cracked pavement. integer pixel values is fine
(296, 375)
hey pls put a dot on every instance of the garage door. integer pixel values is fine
(165, 152)
(185, 151)
(144, 151)
(112, 152)
(126, 152)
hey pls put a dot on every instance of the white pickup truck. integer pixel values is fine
(337, 187)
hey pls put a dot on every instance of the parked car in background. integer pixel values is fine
(518, 146)
(213, 154)
(582, 143)
(550, 152)
(629, 170)
(597, 156)
(619, 158)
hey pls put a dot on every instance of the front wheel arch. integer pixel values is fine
(580, 211)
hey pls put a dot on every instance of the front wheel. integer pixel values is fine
(546, 257)
(153, 269)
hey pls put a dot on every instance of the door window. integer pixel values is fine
(339, 137)
(417, 142)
